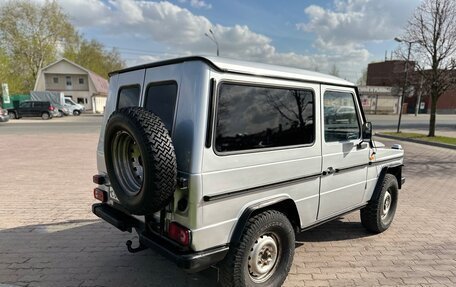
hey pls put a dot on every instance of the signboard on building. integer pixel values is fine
(5, 93)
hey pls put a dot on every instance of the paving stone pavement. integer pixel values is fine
(49, 237)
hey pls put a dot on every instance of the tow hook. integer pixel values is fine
(141, 247)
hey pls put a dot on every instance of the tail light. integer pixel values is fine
(51, 108)
(100, 194)
(179, 233)
(99, 179)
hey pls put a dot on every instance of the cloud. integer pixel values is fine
(340, 33)
(351, 23)
(197, 3)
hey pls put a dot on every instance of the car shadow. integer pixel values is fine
(86, 253)
(335, 230)
(92, 253)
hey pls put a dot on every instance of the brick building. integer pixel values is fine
(391, 74)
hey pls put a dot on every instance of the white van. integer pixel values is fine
(220, 162)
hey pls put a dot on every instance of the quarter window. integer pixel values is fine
(341, 118)
(128, 97)
(161, 101)
(251, 117)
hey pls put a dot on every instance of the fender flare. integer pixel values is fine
(275, 203)
(395, 170)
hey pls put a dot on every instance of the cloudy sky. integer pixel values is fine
(312, 34)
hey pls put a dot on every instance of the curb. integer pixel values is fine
(417, 141)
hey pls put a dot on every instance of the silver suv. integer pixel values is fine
(217, 162)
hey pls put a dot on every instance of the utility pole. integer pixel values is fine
(405, 80)
(418, 101)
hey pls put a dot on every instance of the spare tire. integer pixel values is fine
(140, 160)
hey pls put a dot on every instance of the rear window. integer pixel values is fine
(129, 96)
(161, 100)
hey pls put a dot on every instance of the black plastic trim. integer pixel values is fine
(331, 218)
(246, 214)
(183, 257)
(385, 160)
(210, 113)
(261, 187)
(190, 261)
(338, 170)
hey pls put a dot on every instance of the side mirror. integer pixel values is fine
(367, 131)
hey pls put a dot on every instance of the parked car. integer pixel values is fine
(74, 109)
(41, 109)
(220, 162)
(4, 117)
(62, 110)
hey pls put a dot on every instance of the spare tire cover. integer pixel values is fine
(140, 160)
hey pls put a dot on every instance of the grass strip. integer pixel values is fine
(423, 137)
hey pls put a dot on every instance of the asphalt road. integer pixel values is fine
(88, 123)
(444, 122)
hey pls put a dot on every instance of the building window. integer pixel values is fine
(86, 101)
(68, 81)
(55, 80)
(81, 81)
(81, 101)
(255, 117)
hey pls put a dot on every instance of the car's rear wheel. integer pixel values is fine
(140, 160)
(45, 116)
(264, 255)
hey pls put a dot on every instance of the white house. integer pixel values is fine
(76, 82)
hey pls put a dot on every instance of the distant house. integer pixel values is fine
(76, 82)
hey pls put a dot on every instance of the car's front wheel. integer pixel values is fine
(378, 215)
(264, 254)
(76, 113)
(12, 115)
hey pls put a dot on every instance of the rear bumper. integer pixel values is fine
(402, 180)
(186, 259)
(4, 118)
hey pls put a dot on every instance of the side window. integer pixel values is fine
(341, 117)
(252, 117)
(128, 97)
(161, 100)
(26, 105)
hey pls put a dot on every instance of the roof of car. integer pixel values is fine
(249, 68)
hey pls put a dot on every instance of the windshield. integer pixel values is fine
(70, 102)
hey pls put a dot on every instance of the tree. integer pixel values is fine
(362, 81)
(334, 71)
(433, 29)
(93, 56)
(31, 34)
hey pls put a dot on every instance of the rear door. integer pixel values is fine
(344, 159)
(25, 109)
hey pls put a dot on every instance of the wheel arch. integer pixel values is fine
(285, 205)
(395, 170)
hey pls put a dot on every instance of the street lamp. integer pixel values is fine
(405, 77)
(213, 39)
